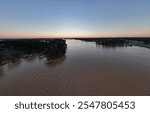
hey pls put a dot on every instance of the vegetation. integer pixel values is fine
(11, 50)
(119, 42)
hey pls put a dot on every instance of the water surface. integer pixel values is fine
(85, 69)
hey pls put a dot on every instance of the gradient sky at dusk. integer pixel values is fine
(74, 18)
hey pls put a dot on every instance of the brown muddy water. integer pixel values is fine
(86, 69)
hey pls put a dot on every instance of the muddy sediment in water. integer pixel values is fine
(83, 69)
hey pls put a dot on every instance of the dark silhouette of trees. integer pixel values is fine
(118, 42)
(11, 50)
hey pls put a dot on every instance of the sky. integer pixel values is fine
(74, 18)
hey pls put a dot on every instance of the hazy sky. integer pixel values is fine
(74, 18)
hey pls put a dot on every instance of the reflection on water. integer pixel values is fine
(11, 51)
(15, 64)
(57, 62)
(119, 42)
(1, 71)
(86, 68)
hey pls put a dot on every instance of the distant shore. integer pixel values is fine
(122, 41)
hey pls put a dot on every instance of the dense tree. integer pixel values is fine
(11, 50)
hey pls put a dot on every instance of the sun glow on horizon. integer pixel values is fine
(76, 35)
(74, 18)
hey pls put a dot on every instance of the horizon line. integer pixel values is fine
(1, 38)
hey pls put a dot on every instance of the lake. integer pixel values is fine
(86, 69)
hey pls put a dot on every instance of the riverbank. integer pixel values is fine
(13, 49)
